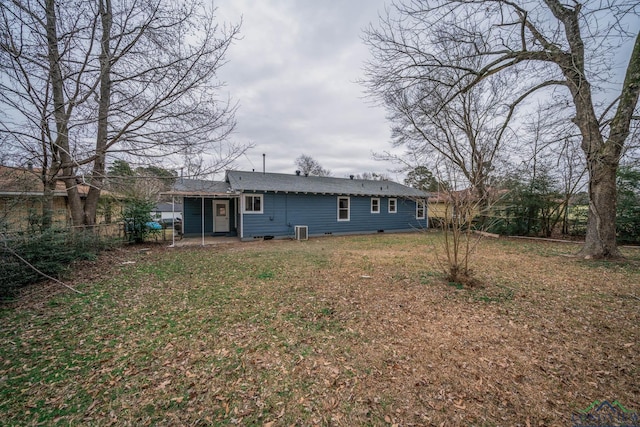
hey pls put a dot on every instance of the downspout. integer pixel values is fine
(240, 211)
(235, 213)
(426, 211)
(213, 215)
(202, 221)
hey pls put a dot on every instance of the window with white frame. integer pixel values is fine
(375, 205)
(421, 209)
(393, 205)
(344, 208)
(253, 203)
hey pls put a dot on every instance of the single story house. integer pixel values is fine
(253, 205)
(21, 201)
(166, 212)
(444, 206)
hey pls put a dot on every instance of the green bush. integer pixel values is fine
(51, 252)
(136, 215)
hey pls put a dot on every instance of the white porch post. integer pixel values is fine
(173, 221)
(202, 221)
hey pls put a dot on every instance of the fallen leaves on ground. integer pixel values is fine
(333, 331)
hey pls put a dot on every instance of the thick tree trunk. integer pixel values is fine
(602, 164)
(47, 204)
(600, 240)
(73, 200)
(61, 143)
(603, 158)
(99, 167)
(91, 202)
(62, 117)
(602, 155)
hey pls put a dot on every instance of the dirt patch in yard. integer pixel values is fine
(333, 331)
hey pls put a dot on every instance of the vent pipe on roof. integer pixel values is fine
(264, 163)
(30, 166)
(306, 174)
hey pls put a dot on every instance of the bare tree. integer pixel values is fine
(422, 178)
(554, 156)
(144, 183)
(459, 240)
(373, 176)
(564, 50)
(310, 166)
(454, 212)
(81, 81)
(468, 132)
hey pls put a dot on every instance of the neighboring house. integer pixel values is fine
(270, 205)
(21, 194)
(448, 205)
(164, 212)
(445, 205)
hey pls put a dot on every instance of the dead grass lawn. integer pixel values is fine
(334, 331)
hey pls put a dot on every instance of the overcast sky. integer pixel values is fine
(294, 73)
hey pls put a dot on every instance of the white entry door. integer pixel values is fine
(220, 216)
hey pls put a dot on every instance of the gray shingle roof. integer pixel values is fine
(167, 207)
(199, 187)
(262, 182)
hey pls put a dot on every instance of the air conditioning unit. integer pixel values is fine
(302, 232)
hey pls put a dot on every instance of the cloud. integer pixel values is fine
(294, 73)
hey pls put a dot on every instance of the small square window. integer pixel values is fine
(393, 205)
(421, 209)
(375, 205)
(343, 209)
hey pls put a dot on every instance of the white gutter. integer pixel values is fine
(241, 209)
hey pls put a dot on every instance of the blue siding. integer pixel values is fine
(192, 216)
(192, 220)
(281, 212)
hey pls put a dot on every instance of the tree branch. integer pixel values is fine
(6, 248)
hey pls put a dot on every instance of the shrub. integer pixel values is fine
(52, 252)
(136, 215)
